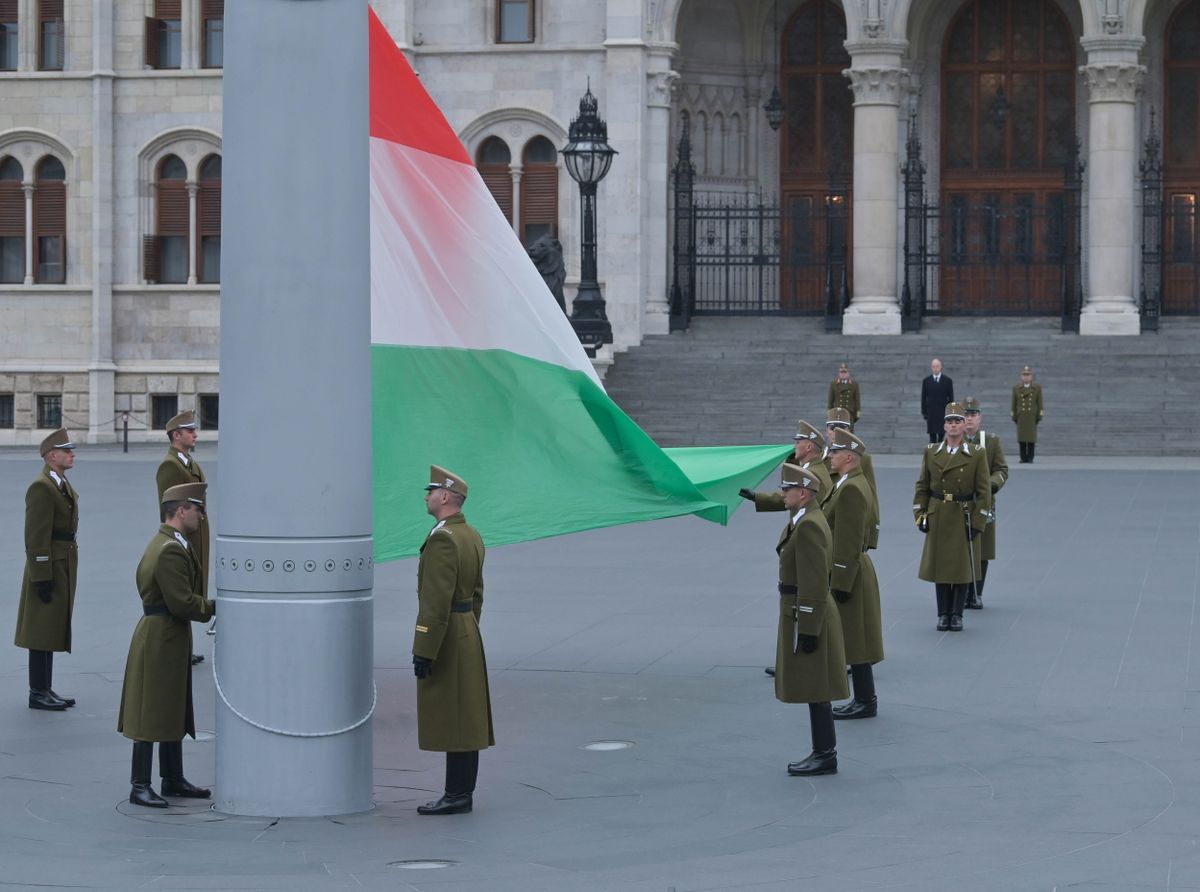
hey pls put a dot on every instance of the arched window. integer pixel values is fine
(539, 190)
(167, 250)
(208, 220)
(12, 222)
(50, 222)
(493, 160)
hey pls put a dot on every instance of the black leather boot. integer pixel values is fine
(447, 805)
(170, 767)
(944, 600)
(956, 611)
(864, 705)
(823, 759)
(1032, 447)
(141, 793)
(770, 670)
(40, 696)
(69, 701)
(983, 565)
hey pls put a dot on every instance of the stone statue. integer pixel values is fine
(547, 255)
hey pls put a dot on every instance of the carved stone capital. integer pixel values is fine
(878, 85)
(1113, 81)
(661, 87)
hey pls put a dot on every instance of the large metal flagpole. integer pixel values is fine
(293, 652)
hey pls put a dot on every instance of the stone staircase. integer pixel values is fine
(748, 379)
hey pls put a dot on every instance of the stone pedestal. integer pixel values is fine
(874, 308)
(1113, 77)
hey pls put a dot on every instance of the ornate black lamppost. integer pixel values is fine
(588, 157)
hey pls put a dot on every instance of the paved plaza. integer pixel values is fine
(1052, 745)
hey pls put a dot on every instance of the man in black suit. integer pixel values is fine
(937, 390)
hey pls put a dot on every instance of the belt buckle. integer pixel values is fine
(947, 497)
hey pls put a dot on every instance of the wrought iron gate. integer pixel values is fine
(743, 255)
(1004, 251)
(1170, 239)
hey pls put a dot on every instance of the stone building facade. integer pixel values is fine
(126, 96)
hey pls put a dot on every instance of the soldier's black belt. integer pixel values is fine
(951, 497)
(155, 611)
(63, 537)
(788, 589)
(461, 606)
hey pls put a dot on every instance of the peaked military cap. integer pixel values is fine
(842, 439)
(972, 406)
(838, 416)
(60, 439)
(440, 478)
(955, 410)
(1027, 369)
(186, 492)
(182, 420)
(843, 368)
(806, 431)
(794, 475)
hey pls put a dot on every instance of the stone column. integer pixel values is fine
(101, 369)
(876, 78)
(516, 171)
(656, 317)
(28, 187)
(193, 189)
(1113, 77)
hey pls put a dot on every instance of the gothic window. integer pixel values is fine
(164, 35)
(9, 32)
(208, 221)
(167, 251)
(817, 96)
(493, 161)
(50, 35)
(514, 21)
(539, 190)
(50, 222)
(212, 33)
(1008, 92)
(1182, 142)
(12, 222)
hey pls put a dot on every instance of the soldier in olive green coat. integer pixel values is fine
(156, 698)
(951, 506)
(853, 581)
(843, 394)
(51, 569)
(997, 475)
(1027, 412)
(178, 467)
(810, 658)
(454, 709)
(808, 453)
(839, 419)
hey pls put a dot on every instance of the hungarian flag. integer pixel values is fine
(476, 368)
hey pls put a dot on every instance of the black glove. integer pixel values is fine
(45, 590)
(841, 596)
(422, 666)
(923, 523)
(808, 643)
(972, 533)
(747, 494)
(995, 489)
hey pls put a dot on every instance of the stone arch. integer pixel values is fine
(515, 126)
(29, 146)
(191, 144)
(923, 22)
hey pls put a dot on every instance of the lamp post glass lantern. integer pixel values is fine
(588, 156)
